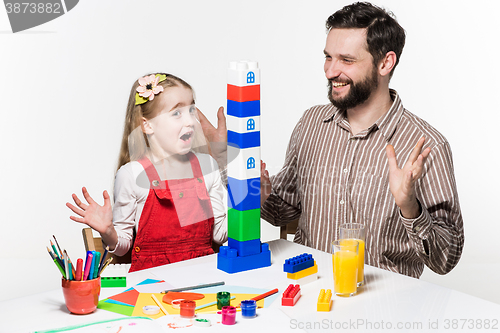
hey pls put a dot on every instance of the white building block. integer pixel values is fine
(243, 125)
(243, 73)
(243, 163)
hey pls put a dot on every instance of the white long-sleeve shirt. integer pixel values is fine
(132, 189)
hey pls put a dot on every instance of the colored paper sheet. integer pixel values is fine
(116, 302)
(153, 287)
(146, 299)
(123, 303)
(149, 281)
(117, 308)
(128, 297)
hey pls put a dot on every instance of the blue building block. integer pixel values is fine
(298, 263)
(243, 194)
(245, 248)
(243, 109)
(243, 140)
(229, 262)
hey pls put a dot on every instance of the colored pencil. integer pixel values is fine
(71, 267)
(60, 262)
(55, 250)
(264, 295)
(56, 262)
(66, 265)
(60, 268)
(57, 244)
(105, 265)
(51, 254)
(159, 304)
(196, 287)
(103, 259)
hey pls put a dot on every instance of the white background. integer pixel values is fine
(64, 87)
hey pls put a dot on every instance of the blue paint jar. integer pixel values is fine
(248, 308)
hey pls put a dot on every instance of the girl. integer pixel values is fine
(170, 196)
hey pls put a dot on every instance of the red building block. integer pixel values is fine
(291, 295)
(243, 94)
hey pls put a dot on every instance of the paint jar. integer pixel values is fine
(228, 315)
(187, 308)
(223, 299)
(248, 309)
(81, 297)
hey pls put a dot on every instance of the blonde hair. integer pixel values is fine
(134, 142)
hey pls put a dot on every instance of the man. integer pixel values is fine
(342, 160)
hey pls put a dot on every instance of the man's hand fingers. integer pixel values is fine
(408, 182)
(418, 167)
(391, 157)
(416, 151)
(426, 153)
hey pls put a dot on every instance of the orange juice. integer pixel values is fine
(361, 263)
(345, 272)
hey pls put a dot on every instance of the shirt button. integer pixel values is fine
(417, 228)
(345, 170)
(200, 181)
(181, 195)
(156, 183)
(341, 202)
(137, 249)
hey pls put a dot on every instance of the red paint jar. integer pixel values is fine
(187, 308)
(81, 297)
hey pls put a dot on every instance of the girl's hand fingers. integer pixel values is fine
(78, 202)
(75, 210)
(77, 219)
(87, 196)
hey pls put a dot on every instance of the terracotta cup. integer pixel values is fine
(81, 297)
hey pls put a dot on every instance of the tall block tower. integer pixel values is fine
(244, 251)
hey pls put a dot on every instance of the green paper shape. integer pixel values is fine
(121, 309)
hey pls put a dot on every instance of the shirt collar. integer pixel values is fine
(386, 124)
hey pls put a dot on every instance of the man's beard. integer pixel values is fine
(358, 92)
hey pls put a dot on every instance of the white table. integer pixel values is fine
(388, 301)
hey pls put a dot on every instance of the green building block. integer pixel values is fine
(244, 225)
(110, 282)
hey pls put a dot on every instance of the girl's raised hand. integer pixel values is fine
(99, 218)
(217, 137)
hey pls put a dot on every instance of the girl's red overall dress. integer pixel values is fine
(161, 239)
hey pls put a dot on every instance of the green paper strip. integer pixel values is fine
(117, 308)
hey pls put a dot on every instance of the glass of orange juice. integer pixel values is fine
(345, 267)
(356, 231)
